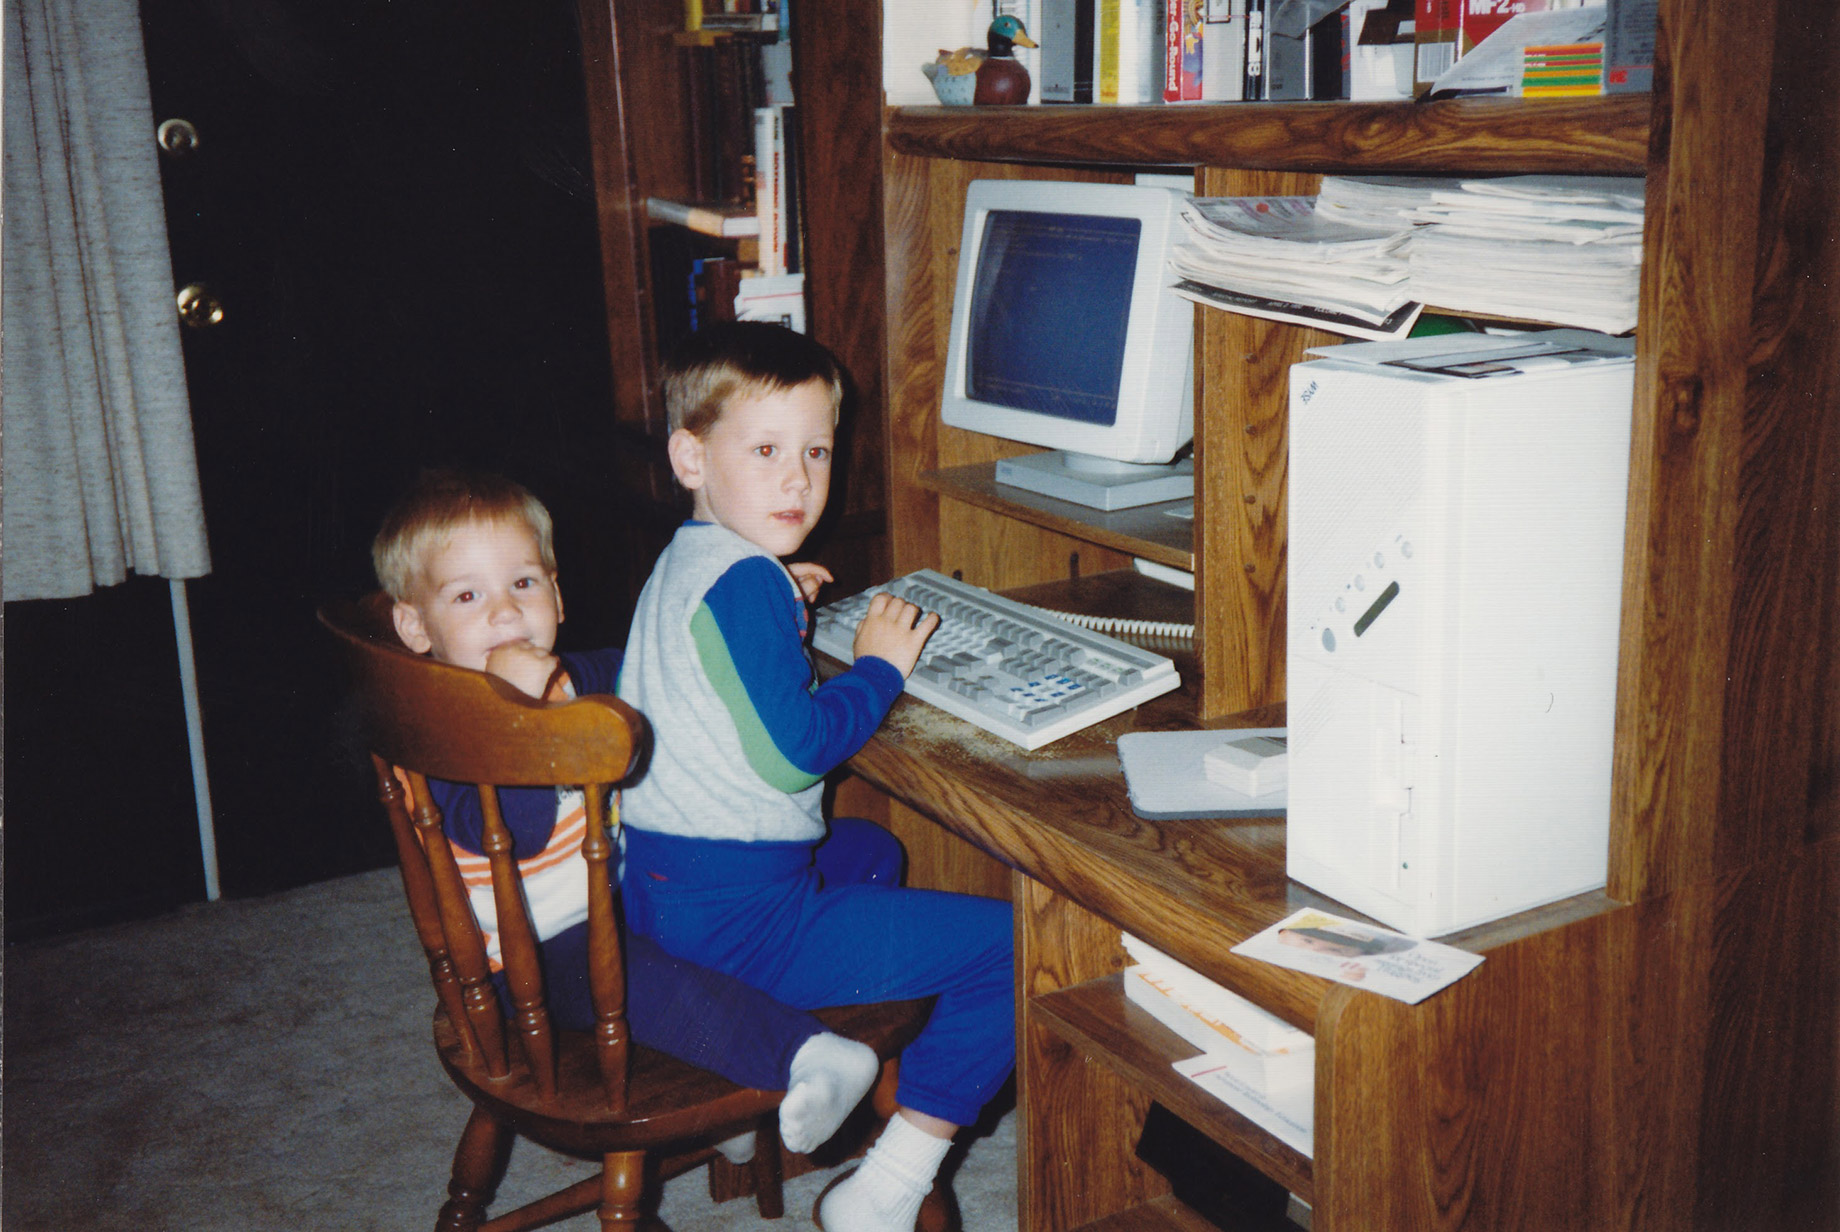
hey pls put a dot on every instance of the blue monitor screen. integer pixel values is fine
(1050, 306)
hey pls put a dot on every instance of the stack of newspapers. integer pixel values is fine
(1563, 249)
(1283, 258)
(1253, 1060)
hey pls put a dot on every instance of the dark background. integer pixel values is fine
(394, 204)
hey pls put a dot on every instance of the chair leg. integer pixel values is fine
(623, 1193)
(479, 1165)
(766, 1170)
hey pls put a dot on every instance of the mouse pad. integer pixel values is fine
(1164, 775)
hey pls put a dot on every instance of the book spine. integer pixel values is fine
(1434, 41)
(1223, 49)
(1254, 89)
(1629, 46)
(768, 153)
(1194, 63)
(1172, 53)
(1106, 84)
(1066, 51)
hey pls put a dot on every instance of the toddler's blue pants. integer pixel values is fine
(768, 914)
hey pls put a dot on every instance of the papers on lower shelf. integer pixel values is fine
(1227, 1014)
(1288, 1115)
(1361, 955)
(1262, 1066)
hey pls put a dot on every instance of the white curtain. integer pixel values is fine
(100, 476)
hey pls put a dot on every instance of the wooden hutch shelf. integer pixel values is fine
(1596, 136)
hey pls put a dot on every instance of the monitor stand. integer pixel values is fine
(1098, 483)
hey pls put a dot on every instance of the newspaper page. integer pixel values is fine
(1361, 955)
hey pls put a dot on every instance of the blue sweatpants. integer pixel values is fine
(710, 1019)
(768, 914)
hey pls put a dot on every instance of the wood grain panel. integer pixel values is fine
(1723, 754)
(914, 362)
(1241, 456)
(840, 113)
(1641, 1068)
(621, 225)
(1076, 1167)
(1599, 135)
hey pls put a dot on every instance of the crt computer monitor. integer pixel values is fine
(1065, 334)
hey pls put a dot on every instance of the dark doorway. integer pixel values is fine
(393, 204)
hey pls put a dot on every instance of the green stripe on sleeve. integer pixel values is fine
(762, 754)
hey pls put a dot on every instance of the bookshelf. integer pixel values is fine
(652, 129)
(1668, 1049)
(1602, 1041)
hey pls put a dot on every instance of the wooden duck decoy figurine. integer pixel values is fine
(1001, 79)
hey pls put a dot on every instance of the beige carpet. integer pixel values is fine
(264, 1064)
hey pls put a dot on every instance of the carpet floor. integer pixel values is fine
(265, 1064)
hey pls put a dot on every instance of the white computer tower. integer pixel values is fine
(1455, 582)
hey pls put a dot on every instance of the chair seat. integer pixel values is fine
(667, 1100)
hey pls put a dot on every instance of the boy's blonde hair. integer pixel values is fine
(738, 359)
(440, 503)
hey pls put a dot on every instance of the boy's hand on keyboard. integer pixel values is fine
(523, 666)
(896, 631)
(810, 576)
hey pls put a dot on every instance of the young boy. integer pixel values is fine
(469, 561)
(722, 828)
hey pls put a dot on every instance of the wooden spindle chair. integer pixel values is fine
(590, 1094)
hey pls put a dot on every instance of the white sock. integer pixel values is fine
(884, 1194)
(829, 1076)
(739, 1149)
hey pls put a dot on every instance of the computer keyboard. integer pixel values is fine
(1013, 670)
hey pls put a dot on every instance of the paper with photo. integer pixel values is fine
(1360, 955)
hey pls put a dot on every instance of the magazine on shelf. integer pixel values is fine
(1397, 324)
(1360, 955)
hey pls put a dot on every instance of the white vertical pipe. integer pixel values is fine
(194, 735)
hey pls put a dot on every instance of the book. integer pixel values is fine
(1130, 52)
(1066, 39)
(1105, 52)
(1254, 88)
(1434, 41)
(769, 194)
(788, 188)
(1272, 1071)
(1629, 46)
(1223, 52)
(778, 298)
(1183, 31)
(1252, 1026)
(714, 283)
(705, 217)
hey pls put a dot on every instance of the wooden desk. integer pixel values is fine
(1084, 866)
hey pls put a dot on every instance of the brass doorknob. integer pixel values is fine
(199, 307)
(178, 137)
